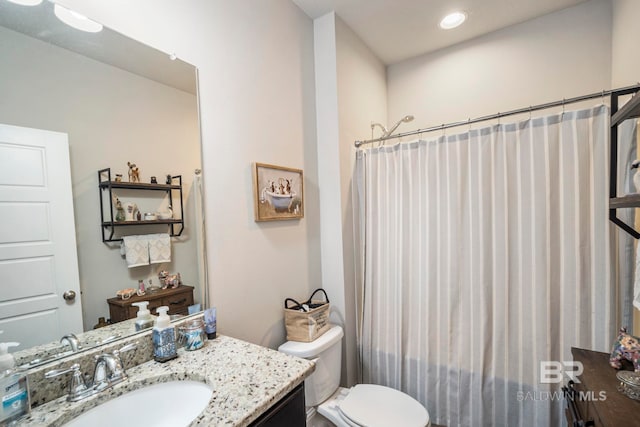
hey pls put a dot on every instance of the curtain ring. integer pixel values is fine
(602, 96)
(469, 123)
(530, 111)
(444, 133)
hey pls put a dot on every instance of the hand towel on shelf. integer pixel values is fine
(136, 250)
(159, 248)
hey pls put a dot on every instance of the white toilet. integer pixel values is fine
(363, 405)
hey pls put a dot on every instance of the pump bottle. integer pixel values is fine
(14, 392)
(164, 337)
(144, 319)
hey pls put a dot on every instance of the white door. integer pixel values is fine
(38, 259)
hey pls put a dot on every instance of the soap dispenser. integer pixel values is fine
(7, 361)
(14, 392)
(144, 319)
(164, 337)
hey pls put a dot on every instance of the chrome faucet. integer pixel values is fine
(72, 341)
(109, 369)
(108, 372)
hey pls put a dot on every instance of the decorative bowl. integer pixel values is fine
(125, 293)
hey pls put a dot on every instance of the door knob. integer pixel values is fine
(69, 295)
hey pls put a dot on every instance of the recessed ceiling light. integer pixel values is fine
(27, 2)
(76, 20)
(453, 20)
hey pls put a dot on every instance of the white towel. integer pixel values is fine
(136, 250)
(159, 248)
(636, 283)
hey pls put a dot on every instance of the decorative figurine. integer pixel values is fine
(162, 276)
(119, 211)
(118, 177)
(169, 179)
(626, 347)
(154, 180)
(166, 279)
(134, 172)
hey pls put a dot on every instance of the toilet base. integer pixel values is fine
(329, 408)
(314, 419)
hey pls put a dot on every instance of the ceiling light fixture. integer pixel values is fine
(26, 2)
(75, 20)
(453, 20)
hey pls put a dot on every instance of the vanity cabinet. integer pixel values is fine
(595, 400)
(108, 221)
(178, 300)
(289, 411)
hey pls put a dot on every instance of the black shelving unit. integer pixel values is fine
(630, 110)
(109, 224)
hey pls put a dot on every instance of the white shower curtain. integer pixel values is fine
(481, 255)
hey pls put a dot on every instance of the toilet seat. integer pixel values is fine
(373, 405)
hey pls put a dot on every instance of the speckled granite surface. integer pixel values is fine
(246, 380)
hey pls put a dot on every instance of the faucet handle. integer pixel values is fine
(128, 347)
(58, 372)
(77, 386)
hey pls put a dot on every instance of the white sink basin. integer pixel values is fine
(170, 404)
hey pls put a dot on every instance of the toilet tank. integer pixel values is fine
(326, 352)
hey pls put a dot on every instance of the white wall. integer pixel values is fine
(556, 56)
(257, 101)
(350, 92)
(111, 117)
(362, 99)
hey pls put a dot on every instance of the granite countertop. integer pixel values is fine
(246, 379)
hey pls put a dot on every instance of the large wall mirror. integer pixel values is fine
(118, 101)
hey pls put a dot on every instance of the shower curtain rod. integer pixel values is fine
(621, 91)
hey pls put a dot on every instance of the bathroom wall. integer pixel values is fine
(362, 99)
(111, 116)
(350, 93)
(560, 55)
(257, 104)
(625, 35)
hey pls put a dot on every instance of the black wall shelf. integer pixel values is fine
(108, 223)
(630, 110)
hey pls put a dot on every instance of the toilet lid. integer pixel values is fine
(373, 405)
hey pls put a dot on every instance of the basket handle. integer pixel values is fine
(297, 305)
(315, 292)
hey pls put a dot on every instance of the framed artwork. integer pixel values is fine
(278, 192)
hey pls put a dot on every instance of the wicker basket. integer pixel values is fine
(308, 320)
